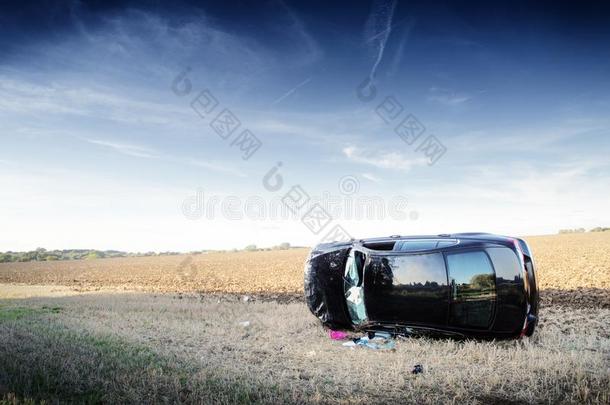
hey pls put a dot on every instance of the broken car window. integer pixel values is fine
(353, 268)
(354, 293)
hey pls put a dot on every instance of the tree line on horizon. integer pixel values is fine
(583, 230)
(41, 254)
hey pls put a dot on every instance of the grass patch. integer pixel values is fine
(14, 314)
(45, 361)
(18, 313)
(12, 399)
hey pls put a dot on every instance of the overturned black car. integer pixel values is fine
(467, 284)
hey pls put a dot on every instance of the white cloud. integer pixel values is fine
(382, 159)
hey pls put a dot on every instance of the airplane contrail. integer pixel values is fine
(380, 21)
(291, 91)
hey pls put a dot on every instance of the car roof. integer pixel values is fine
(475, 236)
(465, 239)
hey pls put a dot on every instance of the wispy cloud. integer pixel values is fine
(126, 37)
(382, 159)
(26, 97)
(447, 97)
(400, 49)
(539, 185)
(548, 137)
(146, 152)
(327, 129)
(216, 166)
(371, 177)
(297, 30)
(126, 149)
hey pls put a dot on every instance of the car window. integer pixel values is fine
(473, 289)
(354, 297)
(415, 245)
(418, 270)
(407, 288)
(445, 243)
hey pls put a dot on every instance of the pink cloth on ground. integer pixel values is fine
(337, 334)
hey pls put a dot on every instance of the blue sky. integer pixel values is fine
(97, 151)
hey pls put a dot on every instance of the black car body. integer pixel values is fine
(467, 284)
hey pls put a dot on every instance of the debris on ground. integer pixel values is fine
(337, 334)
(374, 340)
(244, 324)
(246, 298)
(418, 368)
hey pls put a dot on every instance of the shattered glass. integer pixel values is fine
(354, 293)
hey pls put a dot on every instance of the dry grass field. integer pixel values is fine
(150, 330)
(278, 271)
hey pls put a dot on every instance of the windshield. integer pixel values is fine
(354, 293)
